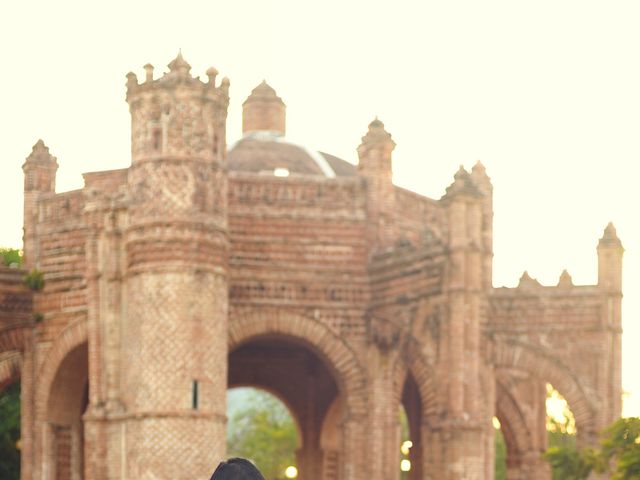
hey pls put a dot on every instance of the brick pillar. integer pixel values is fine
(27, 407)
(461, 437)
(176, 245)
(610, 252)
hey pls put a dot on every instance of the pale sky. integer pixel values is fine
(546, 94)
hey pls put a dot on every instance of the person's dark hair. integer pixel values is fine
(237, 469)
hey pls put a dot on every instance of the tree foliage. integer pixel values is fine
(10, 256)
(10, 432)
(619, 454)
(262, 430)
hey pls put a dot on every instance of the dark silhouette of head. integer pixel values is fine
(237, 469)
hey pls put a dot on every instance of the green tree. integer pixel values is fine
(10, 432)
(10, 256)
(501, 456)
(262, 430)
(621, 448)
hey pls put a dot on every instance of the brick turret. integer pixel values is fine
(176, 254)
(375, 165)
(264, 110)
(40, 169)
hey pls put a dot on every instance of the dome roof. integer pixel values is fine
(263, 152)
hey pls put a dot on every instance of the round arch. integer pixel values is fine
(340, 359)
(514, 355)
(68, 340)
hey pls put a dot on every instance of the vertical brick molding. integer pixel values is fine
(610, 252)
(176, 248)
(375, 167)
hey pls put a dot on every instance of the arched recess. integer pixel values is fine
(415, 389)
(513, 424)
(517, 356)
(10, 366)
(339, 358)
(62, 399)
(300, 336)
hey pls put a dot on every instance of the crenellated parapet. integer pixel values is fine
(178, 115)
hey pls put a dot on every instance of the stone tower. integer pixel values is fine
(176, 247)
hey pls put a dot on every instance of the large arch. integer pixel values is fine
(518, 356)
(339, 357)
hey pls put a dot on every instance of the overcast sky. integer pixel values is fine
(546, 94)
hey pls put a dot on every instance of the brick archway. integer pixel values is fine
(514, 427)
(416, 365)
(10, 366)
(514, 355)
(340, 359)
(69, 339)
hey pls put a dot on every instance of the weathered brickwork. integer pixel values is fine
(202, 267)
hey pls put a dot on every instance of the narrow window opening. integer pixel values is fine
(157, 139)
(194, 395)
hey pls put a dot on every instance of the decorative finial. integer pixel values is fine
(462, 183)
(565, 280)
(179, 64)
(610, 237)
(527, 282)
(40, 153)
(148, 68)
(212, 73)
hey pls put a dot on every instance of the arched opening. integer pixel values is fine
(67, 401)
(531, 416)
(261, 427)
(411, 445)
(295, 373)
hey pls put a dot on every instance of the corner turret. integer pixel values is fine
(40, 169)
(375, 165)
(177, 115)
(610, 253)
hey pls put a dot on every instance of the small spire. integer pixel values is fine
(377, 134)
(527, 282)
(263, 91)
(610, 237)
(565, 280)
(40, 154)
(179, 64)
(462, 184)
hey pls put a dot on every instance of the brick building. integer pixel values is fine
(203, 267)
